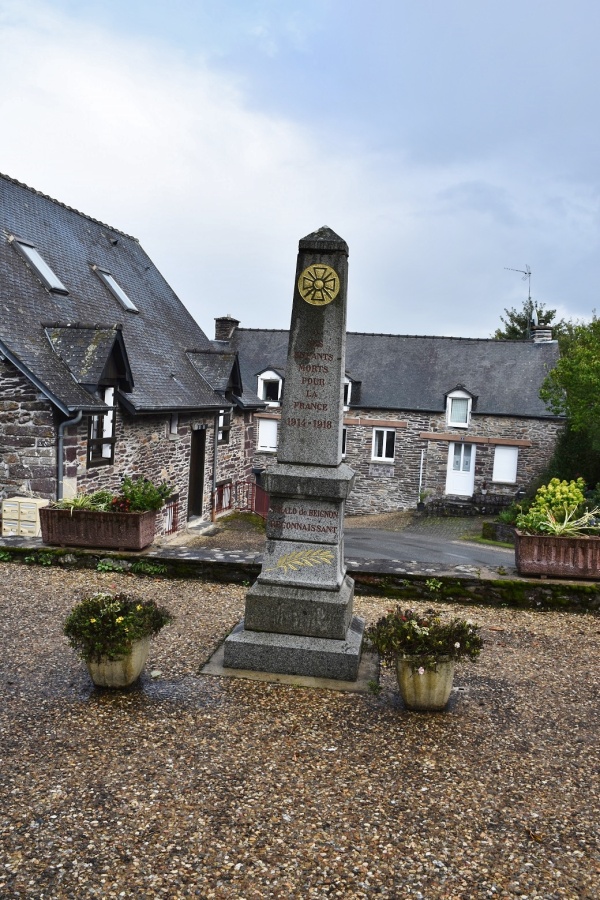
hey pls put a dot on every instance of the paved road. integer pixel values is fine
(413, 545)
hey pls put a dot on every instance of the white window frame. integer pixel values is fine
(224, 426)
(269, 376)
(173, 424)
(102, 434)
(31, 255)
(347, 393)
(267, 435)
(458, 395)
(506, 460)
(384, 457)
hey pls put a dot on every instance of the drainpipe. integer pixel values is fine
(60, 451)
(213, 498)
(421, 474)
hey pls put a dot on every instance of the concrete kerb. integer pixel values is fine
(392, 579)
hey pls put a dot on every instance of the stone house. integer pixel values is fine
(103, 371)
(441, 417)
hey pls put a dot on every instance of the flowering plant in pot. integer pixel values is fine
(424, 650)
(111, 633)
(559, 534)
(125, 520)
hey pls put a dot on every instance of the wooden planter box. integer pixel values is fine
(563, 557)
(88, 528)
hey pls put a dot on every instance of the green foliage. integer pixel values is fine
(108, 624)
(45, 559)
(5, 556)
(98, 500)
(559, 508)
(135, 495)
(107, 565)
(572, 388)
(427, 638)
(508, 515)
(434, 585)
(142, 567)
(141, 495)
(517, 323)
(374, 687)
(576, 454)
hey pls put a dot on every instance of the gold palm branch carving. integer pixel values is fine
(299, 559)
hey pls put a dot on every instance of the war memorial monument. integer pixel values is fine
(298, 615)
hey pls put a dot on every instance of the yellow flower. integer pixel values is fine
(139, 606)
(119, 619)
(92, 620)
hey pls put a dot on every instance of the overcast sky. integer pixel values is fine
(444, 140)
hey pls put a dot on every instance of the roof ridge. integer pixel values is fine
(434, 337)
(66, 206)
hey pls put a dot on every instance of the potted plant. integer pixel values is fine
(111, 633)
(122, 521)
(559, 535)
(424, 650)
(421, 502)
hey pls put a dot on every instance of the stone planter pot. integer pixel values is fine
(429, 691)
(119, 673)
(88, 528)
(562, 557)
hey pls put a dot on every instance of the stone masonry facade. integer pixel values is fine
(144, 446)
(27, 438)
(386, 486)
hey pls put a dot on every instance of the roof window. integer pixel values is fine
(35, 260)
(115, 289)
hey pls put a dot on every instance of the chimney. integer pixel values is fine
(224, 327)
(541, 334)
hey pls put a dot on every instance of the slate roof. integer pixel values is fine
(413, 373)
(88, 351)
(155, 338)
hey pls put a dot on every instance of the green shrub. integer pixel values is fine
(108, 624)
(426, 638)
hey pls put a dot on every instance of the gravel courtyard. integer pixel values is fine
(192, 786)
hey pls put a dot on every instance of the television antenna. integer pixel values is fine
(526, 273)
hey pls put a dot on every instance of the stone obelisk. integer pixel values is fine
(298, 617)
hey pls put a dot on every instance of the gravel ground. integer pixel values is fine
(191, 786)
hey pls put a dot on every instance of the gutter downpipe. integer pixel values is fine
(60, 451)
(213, 497)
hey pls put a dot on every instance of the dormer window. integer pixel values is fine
(347, 392)
(39, 265)
(458, 409)
(269, 387)
(115, 289)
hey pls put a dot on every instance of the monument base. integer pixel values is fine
(292, 610)
(291, 654)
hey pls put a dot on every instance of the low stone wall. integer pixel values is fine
(497, 531)
(519, 593)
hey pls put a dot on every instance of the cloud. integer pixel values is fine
(134, 133)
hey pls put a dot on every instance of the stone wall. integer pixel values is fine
(540, 434)
(383, 486)
(145, 447)
(27, 438)
(28, 435)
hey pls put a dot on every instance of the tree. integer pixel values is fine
(517, 323)
(572, 388)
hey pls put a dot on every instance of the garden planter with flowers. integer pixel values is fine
(123, 521)
(559, 536)
(111, 633)
(424, 650)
